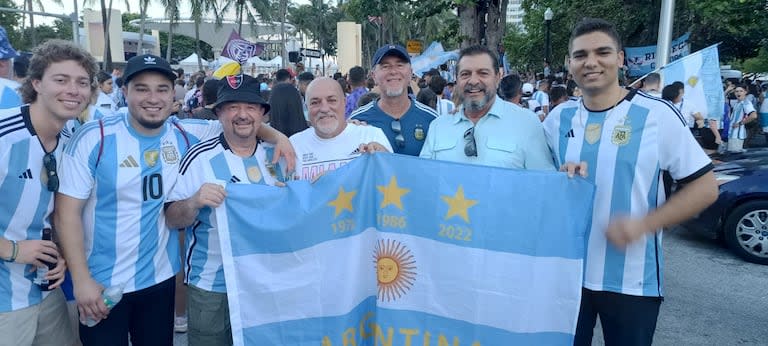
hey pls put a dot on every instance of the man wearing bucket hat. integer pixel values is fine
(9, 95)
(403, 120)
(236, 156)
(116, 176)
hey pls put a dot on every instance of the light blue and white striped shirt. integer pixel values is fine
(26, 203)
(125, 178)
(626, 148)
(212, 161)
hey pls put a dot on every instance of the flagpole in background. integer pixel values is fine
(664, 40)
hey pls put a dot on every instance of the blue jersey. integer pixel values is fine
(212, 161)
(9, 94)
(124, 177)
(413, 125)
(626, 148)
(25, 203)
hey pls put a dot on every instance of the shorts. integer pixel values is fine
(208, 318)
(46, 323)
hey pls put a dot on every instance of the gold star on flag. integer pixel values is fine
(458, 205)
(392, 194)
(343, 201)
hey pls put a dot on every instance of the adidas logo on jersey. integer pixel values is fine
(569, 134)
(26, 174)
(355, 152)
(234, 179)
(129, 162)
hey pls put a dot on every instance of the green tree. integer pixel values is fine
(317, 21)
(10, 22)
(172, 13)
(741, 26)
(758, 63)
(199, 9)
(32, 5)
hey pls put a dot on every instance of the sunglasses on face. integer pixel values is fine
(398, 130)
(49, 163)
(470, 146)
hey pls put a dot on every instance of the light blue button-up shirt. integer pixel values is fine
(507, 136)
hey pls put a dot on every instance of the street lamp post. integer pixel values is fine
(548, 20)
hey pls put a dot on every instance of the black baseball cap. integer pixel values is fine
(147, 62)
(240, 88)
(390, 49)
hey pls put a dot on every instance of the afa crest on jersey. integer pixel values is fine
(170, 154)
(418, 133)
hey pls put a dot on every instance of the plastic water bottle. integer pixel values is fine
(42, 272)
(111, 297)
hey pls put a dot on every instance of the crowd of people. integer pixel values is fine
(130, 166)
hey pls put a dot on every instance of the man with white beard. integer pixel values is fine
(404, 120)
(487, 130)
(331, 142)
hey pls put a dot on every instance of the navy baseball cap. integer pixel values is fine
(390, 49)
(147, 62)
(240, 88)
(6, 50)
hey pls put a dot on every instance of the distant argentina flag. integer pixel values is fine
(398, 250)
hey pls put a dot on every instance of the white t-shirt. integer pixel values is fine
(317, 155)
(687, 109)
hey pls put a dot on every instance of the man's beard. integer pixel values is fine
(477, 105)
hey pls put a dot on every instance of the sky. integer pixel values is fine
(155, 8)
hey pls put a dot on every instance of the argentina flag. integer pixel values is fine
(700, 73)
(398, 250)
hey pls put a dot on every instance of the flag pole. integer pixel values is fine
(664, 40)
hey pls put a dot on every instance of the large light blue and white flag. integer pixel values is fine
(700, 72)
(398, 250)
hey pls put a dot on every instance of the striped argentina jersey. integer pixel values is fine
(26, 203)
(212, 161)
(626, 148)
(126, 239)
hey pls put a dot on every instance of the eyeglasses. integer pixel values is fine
(49, 162)
(470, 146)
(399, 139)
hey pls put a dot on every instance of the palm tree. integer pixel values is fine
(29, 7)
(199, 8)
(172, 12)
(106, 17)
(143, 4)
(264, 9)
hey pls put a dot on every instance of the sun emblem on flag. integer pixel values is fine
(395, 269)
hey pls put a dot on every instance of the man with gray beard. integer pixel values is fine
(403, 120)
(486, 130)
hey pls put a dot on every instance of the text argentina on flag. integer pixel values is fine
(397, 250)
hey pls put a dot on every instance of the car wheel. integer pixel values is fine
(746, 231)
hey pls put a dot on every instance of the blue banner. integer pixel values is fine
(398, 250)
(642, 60)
